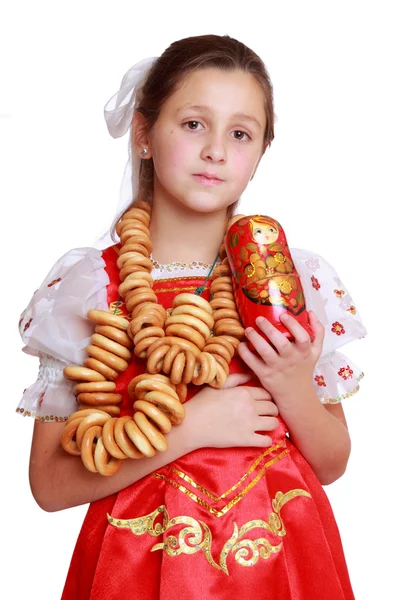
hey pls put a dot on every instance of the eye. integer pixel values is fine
(240, 135)
(192, 125)
(272, 230)
(257, 231)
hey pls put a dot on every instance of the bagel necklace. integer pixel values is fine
(194, 344)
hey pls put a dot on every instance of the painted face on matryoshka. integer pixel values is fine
(264, 231)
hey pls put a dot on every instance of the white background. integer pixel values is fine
(330, 178)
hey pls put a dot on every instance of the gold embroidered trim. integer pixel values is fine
(343, 396)
(202, 489)
(236, 499)
(196, 535)
(47, 418)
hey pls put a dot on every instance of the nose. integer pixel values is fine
(214, 149)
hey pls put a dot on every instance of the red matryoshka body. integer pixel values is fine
(265, 279)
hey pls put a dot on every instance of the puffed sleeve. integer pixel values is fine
(54, 327)
(336, 377)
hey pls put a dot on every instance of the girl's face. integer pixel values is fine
(208, 139)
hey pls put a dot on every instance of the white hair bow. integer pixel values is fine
(118, 113)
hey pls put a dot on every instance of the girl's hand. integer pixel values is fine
(231, 416)
(283, 367)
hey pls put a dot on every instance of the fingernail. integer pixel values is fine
(249, 330)
(284, 317)
(260, 320)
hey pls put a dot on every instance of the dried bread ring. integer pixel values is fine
(109, 441)
(220, 377)
(78, 373)
(90, 421)
(101, 317)
(122, 439)
(94, 386)
(217, 303)
(99, 366)
(220, 350)
(134, 248)
(225, 313)
(194, 311)
(111, 409)
(202, 370)
(170, 357)
(108, 358)
(155, 414)
(99, 398)
(131, 284)
(138, 438)
(187, 333)
(193, 299)
(229, 326)
(129, 270)
(156, 357)
(158, 377)
(177, 369)
(190, 365)
(221, 340)
(104, 342)
(87, 450)
(174, 409)
(189, 321)
(153, 385)
(134, 300)
(105, 464)
(114, 334)
(153, 435)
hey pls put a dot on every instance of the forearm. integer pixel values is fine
(59, 480)
(320, 436)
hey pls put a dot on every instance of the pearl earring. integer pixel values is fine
(144, 152)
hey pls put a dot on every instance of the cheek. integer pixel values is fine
(172, 151)
(243, 162)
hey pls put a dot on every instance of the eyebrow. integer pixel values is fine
(203, 108)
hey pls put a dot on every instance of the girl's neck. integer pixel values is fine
(179, 234)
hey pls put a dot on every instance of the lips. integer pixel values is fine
(208, 178)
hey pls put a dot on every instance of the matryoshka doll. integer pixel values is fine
(265, 280)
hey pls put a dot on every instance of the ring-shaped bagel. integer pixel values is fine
(193, 299)
(94, 386)
(90, 421)
(158, 377)
(117, 335)
(105, 464)
(122, 439)
(99, 366)
(217, 303)
(87, 450)
(108, 358)
(99, 398)
(194, 311)
(111, 409)
(78, 373)
(147, 296)
(220, 350)
(153, 385)
(174, 409)
(177, 368)
(102, 317)
(170, 357)
(155, 414)
(186, 332)
(139, 439)
(190, 321)
(202, 370)
(134, 248)
(109, 440)
(151, 433)
(190, 364)
(155, 359)
(225, 313)
(104, 342)
(132, 284)
(229, 326)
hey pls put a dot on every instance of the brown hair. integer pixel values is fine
(178, 60)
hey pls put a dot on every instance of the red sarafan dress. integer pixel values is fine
(217, 523)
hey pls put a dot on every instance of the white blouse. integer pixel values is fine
(54, 326)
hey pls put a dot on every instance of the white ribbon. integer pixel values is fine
(118, 114)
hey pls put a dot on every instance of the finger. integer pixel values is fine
(259, 393)
(236, 379)
(265, 408)
(266, 424)
(277, 338)
(260, 440)
(318, 329)
(252, 360)
(261, 346)
(301, 336)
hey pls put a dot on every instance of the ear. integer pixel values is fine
(140, 136)
(258, 162)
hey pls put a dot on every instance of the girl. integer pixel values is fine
(234, 507)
